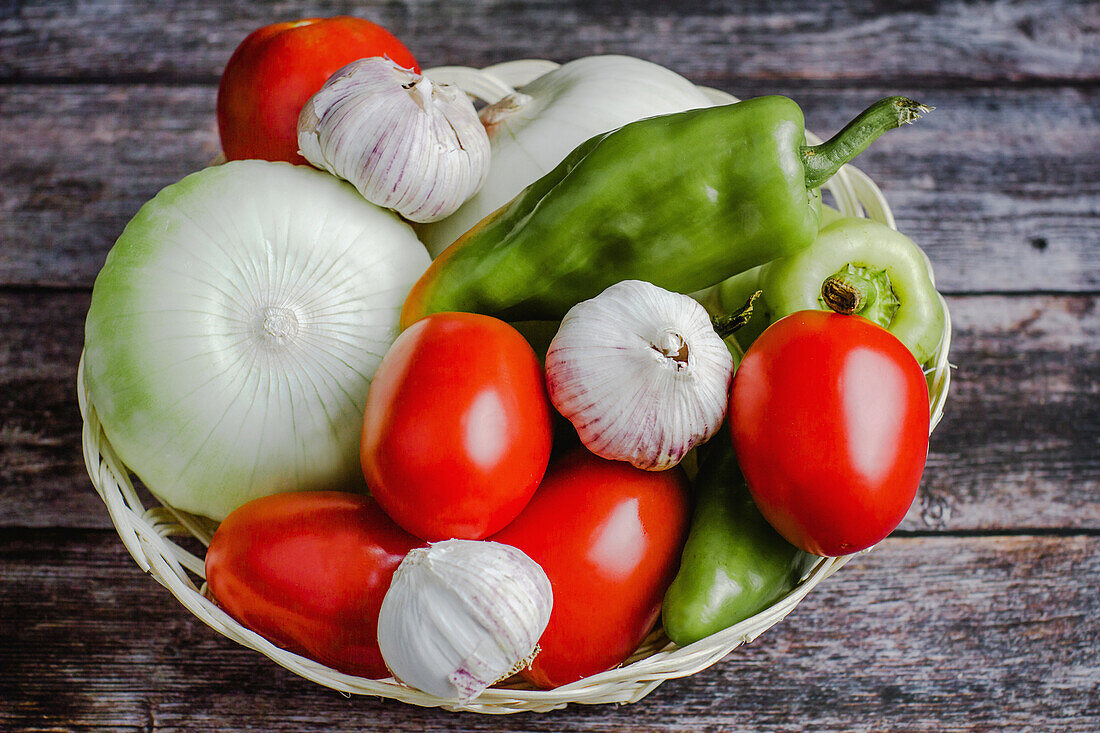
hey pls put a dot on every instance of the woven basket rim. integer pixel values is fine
(147, 532)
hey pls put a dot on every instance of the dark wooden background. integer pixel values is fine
(980, 613)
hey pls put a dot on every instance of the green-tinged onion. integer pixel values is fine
(234, 330)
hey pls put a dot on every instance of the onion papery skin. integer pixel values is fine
(234, 329)
(561, 109)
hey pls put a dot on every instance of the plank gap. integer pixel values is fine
(997, 533)
(17, 532)
(932, 83)
(31, 289)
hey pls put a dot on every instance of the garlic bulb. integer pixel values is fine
(641, 374)
(407, 144)
(532, 130)
(461, 615)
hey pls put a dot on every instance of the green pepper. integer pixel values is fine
(682, 201)
(854, 266)
(734, 564)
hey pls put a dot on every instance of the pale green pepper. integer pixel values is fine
(854, 266)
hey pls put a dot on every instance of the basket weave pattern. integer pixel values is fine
(147, 532)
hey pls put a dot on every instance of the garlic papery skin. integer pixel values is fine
(405, 143)
(641, 374)
(462, 614)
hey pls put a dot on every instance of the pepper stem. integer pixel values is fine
(726, 325)
(823, 161)
(846, 293)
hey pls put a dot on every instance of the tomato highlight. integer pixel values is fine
(609, 537)
(308, 571)
(457, 429)
(829, 416)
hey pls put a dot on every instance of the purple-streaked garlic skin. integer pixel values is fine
(404, 142)
(640, 373)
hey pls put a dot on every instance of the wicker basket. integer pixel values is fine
(148, 532)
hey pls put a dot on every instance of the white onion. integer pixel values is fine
(234, 330)
(548, 118)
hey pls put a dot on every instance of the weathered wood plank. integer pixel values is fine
(1024, 409)
(954, 42)
(1019, 446)
(41, 464)
(930, 634)
(81, 162)
(927, 633)
(999, 186)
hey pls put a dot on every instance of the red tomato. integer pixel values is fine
(457, 429)
(277, 68)
(609, 537)
(829, 415)
(308, 570)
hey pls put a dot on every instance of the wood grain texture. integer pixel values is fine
(949, 41)
(998, 186)
(104, 102)
(82, 161)
(1022, 419)
(1022, 363)
(930, 634)
(41, 466)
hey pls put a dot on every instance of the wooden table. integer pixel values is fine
(979, 613)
